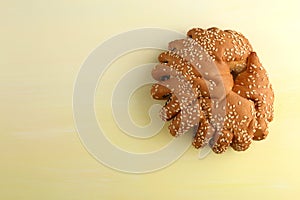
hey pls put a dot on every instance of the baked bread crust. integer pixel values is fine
(213, 82)
(227, 46)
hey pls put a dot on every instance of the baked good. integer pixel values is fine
(212, 81)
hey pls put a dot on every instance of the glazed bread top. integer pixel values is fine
(227, 46)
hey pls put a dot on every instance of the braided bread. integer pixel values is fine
(213, 82)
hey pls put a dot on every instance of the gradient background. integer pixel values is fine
(42, 46)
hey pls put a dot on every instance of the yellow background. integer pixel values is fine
(42, 46)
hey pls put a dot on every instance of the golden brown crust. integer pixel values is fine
(254, 84)
(227, 46)
(223, 110)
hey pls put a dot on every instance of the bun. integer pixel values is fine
(213, 82)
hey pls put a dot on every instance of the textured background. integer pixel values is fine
(42, 46)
